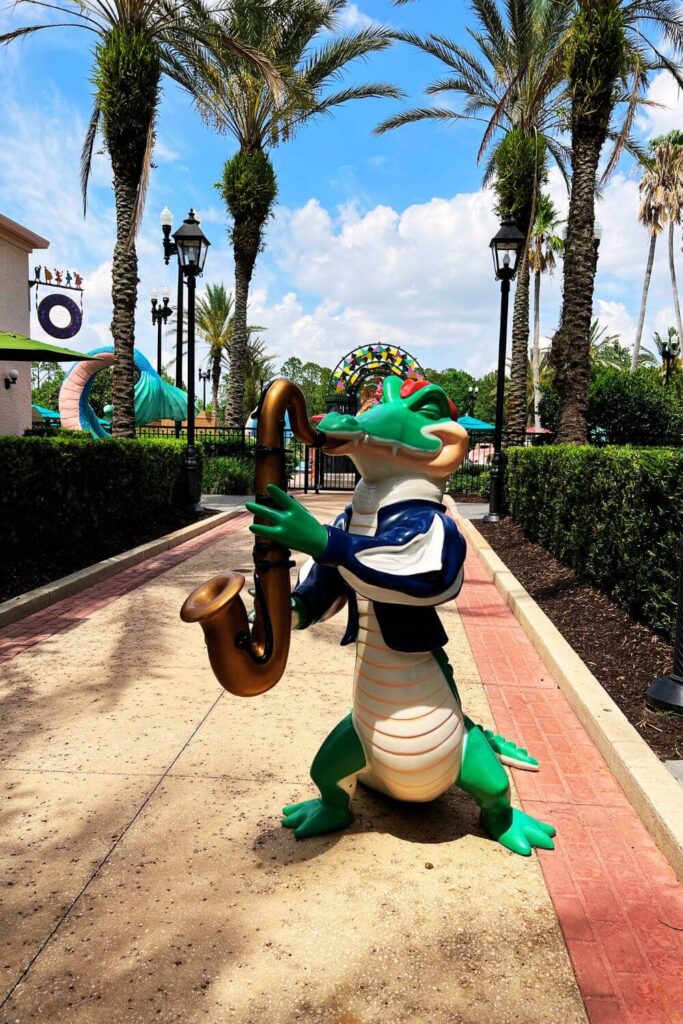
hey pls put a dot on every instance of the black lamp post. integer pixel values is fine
(170, 249)
(204, 375)
(190, 246)
(666, 693)
(506, 247)
(160, 314)
(473, 393)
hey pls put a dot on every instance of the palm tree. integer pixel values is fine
(605, 349)
(214, 325)
(136, 43)
(610, 57)
(668, 356)
(546, 244)
(661, 191)
(260, 367)
(296, 39)
(512, 84)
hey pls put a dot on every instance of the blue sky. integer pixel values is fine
(373, 238)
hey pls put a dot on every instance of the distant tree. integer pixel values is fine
(606, 350)
(313, 379)
(661, 200)
(669, 346)
(544, 246)
(485, 405)
(46, 380)
(259, 368)
(455, 383)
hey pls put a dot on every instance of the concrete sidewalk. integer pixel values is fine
(145, 873)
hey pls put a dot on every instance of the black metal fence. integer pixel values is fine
(312, 470)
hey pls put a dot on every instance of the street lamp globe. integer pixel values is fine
(192, 245)
(506, 246)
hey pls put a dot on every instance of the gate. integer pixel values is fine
(327, 472)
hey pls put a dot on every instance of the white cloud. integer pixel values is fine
(352, 18)
(666, 117)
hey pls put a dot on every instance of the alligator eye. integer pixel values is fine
(432, 410)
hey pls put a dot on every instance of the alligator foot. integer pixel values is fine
(517, 831)
(314, 818)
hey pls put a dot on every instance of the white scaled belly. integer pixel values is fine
(406, 716)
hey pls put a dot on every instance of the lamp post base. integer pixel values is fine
(666, 694)
(193, 481)
(491, 517)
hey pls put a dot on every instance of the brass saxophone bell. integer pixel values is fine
(250, 658)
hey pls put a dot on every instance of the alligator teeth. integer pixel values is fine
(394, 450)
(357, 438)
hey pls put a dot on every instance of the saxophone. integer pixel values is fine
(248, 659)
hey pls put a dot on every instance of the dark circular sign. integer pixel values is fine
(45, 320)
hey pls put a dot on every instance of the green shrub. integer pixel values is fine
(228, 475)
(624, 407)
(612, 514)
(69, 501)
(244, 450)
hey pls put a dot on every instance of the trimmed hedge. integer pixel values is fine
(67, 502)
(612, 514)
(229, 475)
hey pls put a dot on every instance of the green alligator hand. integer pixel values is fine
(290, 524)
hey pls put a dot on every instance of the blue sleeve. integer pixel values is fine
(320, 589)
(419, 557)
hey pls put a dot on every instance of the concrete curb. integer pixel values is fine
(35, 600)
(653, 793)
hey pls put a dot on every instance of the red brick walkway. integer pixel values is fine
(66, 614)
(617, 899)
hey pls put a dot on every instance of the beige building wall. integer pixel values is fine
(16, 245)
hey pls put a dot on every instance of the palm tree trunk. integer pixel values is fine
(244, 267)
(643, 300)
(570, 352)
(674, 287)
(519, 364)
(536, 351)
(215, 382)
(124, 293)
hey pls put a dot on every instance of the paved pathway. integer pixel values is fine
(145, 876)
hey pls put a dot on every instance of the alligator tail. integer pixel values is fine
(509, 753)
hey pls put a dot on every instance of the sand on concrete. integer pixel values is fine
(145, 875)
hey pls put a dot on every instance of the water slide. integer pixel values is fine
(155, 399)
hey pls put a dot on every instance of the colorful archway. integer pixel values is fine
(362, 369)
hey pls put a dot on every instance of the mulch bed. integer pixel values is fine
(622, 654)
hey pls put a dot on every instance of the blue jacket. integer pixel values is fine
(413, 563)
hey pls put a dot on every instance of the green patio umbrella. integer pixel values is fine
(25, 350)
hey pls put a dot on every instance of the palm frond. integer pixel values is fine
(143, 184)
(87, 152)
(417, 114)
